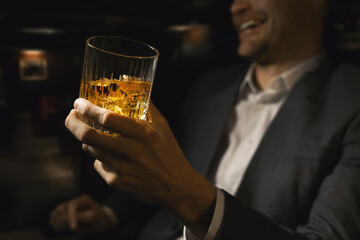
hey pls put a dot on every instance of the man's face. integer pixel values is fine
(267, 28)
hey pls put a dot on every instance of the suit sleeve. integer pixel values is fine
(335, 213)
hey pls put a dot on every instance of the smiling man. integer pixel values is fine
(270, 150)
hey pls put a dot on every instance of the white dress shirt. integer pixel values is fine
(247, 124)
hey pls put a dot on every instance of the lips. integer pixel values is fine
(249, 20)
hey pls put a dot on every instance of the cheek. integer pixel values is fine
(282, 26)
(275, 32)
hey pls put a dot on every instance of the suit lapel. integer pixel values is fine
(209, 118)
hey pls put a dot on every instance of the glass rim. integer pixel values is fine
(119, 54)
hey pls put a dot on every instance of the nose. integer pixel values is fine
(239, 6)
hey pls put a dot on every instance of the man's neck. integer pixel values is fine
(264, 73)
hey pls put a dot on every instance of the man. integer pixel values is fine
(279, 140)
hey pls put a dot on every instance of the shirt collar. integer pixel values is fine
(284, 81)
(291, 76)
(249, 81)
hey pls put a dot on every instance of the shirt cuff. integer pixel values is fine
(111, 215)
(215, 221)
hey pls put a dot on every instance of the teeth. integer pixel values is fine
(249, 24)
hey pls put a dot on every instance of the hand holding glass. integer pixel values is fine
(118, 74)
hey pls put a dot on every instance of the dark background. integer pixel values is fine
(61, 28)
(41, 163)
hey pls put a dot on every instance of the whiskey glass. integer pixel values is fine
(118, 75)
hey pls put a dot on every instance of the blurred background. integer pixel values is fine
(41, 53)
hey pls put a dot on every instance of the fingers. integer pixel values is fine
(65, 214)
(97, 153)
(75, 214)
(58, 218)
(59, 224)
(107, 173)
(105, 156)
(128, 127)
(87, 217)
(77, 205)
(72, 212)
(90, 136)
(82, 131)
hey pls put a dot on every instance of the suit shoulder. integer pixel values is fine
(237, 68)
(343, 88)
(220, 76)
(347, 74)
(214, 80)
(345, 81)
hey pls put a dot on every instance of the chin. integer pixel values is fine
(246, 52)
(259, 54)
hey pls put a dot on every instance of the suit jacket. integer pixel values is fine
(304, 179)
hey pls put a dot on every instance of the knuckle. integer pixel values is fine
(85, 198)
(85, 134)
(114, 182)
(59, 209)
(72, 203)
(150, 132)
(68, 118)
(85, 147)
(105, 118)
(163, 121)
(111, 182)
(67, 121)
(84, 109)
(96, 165)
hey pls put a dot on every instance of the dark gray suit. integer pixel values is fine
(304, 179)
